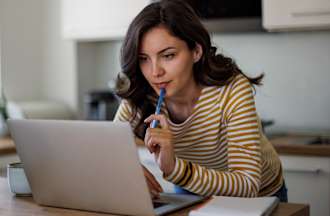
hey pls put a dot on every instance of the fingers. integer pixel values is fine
(153, 185)
(148, 142)
(154, 194)
(152, 180)
(156, 138)
(161, 118)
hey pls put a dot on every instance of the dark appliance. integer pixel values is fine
(100, 105)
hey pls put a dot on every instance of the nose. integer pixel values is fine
(157, 69)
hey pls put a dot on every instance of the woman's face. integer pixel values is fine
(167, 62)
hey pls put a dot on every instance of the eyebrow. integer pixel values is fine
(161, 51)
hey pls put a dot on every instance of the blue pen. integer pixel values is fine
(154, 123)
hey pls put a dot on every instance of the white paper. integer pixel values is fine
(233, 206)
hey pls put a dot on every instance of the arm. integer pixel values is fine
(242, 178)
(124, 112)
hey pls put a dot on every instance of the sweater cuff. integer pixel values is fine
(182, 173)
(176, 171)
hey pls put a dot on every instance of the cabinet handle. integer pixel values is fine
(311, 13)
(304, 170)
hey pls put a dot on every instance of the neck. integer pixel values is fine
(181, 106)
(187, 97)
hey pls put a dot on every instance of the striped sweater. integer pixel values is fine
(219, 148)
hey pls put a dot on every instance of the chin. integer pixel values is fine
(168, 94)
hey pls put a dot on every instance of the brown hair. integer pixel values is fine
(182, 22)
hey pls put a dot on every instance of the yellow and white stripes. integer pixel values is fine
(218, 147)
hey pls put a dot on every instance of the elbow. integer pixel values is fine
(252, 187)
(253, 193)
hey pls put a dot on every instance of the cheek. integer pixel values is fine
(145, 71)
(182, 68)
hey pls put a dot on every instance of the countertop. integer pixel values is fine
(290, 144)
(300, 144)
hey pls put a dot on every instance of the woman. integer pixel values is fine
(209, 140)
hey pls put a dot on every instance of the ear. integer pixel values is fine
(197, 52)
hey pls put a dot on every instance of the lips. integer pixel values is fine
(162, 84)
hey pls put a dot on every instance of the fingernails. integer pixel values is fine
(154, 193)
(158, 187)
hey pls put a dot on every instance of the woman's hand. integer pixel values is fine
(159, 142)
(153, 185)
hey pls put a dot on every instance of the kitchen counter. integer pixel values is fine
(299, 144)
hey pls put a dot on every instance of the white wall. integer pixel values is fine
(37, 64)
(98, 63)
(297, 68)
(22, 52)
(60, 70)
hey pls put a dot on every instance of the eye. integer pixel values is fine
(142, 59)
(169, 56)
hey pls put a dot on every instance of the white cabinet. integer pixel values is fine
(308, 181)
(98, 19)
(296, 14)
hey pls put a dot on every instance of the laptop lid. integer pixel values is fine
(82, 165)
(88, 165)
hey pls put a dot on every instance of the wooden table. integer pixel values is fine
(11, 205)
(7, 146)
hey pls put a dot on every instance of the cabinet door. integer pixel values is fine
(98, 19)
(296, 14)
(308, 181)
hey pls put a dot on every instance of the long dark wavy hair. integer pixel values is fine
(182, 22)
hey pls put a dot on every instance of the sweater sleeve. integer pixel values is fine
(124, 112)
(243, 173)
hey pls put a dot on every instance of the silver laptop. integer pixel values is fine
(89, 166)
